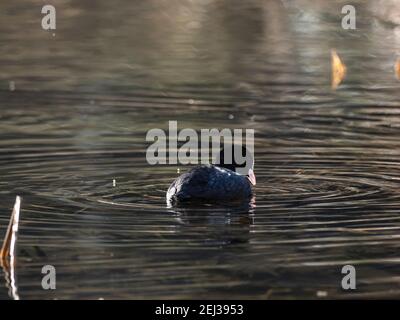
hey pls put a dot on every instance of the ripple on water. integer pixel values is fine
(326, 162)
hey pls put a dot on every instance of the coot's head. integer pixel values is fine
(239, 159)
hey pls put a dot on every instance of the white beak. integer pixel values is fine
(252, 177)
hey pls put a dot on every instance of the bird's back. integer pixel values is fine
(209, 183)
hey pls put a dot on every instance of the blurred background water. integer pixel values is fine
(75, 106)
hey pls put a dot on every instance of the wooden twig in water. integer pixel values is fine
(7, 252)
(8, 248)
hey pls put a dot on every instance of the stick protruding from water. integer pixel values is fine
(8, 248)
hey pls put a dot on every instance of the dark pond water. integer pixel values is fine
(327, 162)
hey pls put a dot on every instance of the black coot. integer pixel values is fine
(211, 183)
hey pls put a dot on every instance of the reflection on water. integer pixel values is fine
(327, 163)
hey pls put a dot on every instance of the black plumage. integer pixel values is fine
(209, 183)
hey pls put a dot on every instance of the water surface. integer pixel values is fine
(327, 162)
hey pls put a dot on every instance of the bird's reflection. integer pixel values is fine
(227, 224)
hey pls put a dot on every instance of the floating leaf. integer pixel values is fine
(338, 69)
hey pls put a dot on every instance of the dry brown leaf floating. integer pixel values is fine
(397, 69)
(338, 69)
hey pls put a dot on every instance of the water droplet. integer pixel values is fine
(322, 294)
(11, 85)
